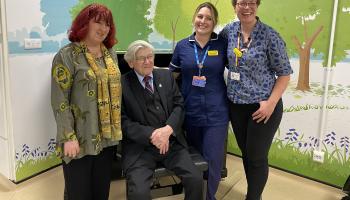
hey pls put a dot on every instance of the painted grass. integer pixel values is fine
(287, 156)
(32, 167)
(307, 107)
(292, 159)
(30, 161)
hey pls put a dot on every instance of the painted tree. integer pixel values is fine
(129, 17)
(306, 29)
(173, 18)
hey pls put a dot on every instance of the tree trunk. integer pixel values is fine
(304, 70)
(304, 58)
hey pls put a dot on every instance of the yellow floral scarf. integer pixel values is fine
(108, 94)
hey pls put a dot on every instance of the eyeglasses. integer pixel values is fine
(142, 59)
(245, 4)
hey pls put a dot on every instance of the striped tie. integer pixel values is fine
(148, 86)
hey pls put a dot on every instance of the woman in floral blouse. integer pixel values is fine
(86, 97)
(259, 72)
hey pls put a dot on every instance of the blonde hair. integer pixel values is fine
(212, 9)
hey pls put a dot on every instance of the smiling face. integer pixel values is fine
(246, 11)
(143, 62)
(98, 31)
(204, 22)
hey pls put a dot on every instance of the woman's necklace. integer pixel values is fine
(97, 55)
(100, 61)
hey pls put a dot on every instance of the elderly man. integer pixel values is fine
(152, 117)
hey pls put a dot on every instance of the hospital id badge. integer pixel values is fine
(199, 81)
(235, 76)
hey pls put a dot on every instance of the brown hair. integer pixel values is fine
(212, 9)
(234, 2)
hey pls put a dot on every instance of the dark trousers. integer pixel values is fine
(210, 142)
(254, 139)
(89, 177)
(140, 175)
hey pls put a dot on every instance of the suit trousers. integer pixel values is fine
(89, 177)
(254, 140)
(210, 142)
(139, 175)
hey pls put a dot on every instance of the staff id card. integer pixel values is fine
(235, 76)
(199, 81)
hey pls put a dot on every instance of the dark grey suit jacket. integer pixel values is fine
(135, 125)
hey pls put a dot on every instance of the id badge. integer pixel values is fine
(235, 76)
(213, 53)
(199, 81)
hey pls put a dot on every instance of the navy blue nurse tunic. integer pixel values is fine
(204, 106)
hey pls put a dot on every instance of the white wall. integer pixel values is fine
(4, 161)
(30, 82)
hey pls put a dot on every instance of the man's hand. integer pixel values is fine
(160, 138)
(71, 148)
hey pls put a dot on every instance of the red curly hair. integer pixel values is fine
(97, 12)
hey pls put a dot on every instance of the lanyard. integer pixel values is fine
(239, 52)
(200, 64)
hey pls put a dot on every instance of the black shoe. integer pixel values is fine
(261, 198)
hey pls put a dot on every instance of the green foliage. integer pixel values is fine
(129, 18)
(169, 12)
(168, 15)
(131, 23)
(342, 39)
(314, 13)
(293, 19)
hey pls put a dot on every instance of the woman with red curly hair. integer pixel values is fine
(85, 98)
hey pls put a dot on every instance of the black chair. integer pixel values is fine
(161, 171)
(198, 161)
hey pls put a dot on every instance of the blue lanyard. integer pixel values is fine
(200, 64)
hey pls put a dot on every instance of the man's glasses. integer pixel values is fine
(142, 59)
(245, 4)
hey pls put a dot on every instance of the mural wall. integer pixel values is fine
(306, 30)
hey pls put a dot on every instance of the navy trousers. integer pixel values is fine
(210, 142)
